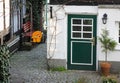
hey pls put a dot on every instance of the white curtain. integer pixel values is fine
(1, 16)
(7, 14)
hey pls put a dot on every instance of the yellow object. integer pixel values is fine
(37, 36)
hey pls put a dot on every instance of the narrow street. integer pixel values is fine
(26, 65)
(30, 67)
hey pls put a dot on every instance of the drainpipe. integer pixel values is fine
(21, 22)
(11, 19)
(46, 5)
(4, 14)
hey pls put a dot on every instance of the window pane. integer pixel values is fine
(87, 22)
(87, 28)
(76, 21)
(76, 28)
(87, 35)
(77, 35)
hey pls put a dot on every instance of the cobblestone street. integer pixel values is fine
(30, 67)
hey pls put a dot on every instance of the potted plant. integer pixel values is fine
(107, 44)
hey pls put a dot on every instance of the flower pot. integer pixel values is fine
(105, 68)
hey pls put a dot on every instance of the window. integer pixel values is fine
(81, 28)
(15, 16)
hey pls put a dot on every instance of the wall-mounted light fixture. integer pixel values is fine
(51, 16)
(104, 18)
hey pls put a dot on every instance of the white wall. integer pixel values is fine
(59, 33)
(113, 18)
(59, 50)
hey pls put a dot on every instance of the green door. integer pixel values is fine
(81, 42)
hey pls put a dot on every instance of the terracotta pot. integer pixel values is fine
(105, 68)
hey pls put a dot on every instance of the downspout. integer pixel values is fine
(21, 16)
(11, 19)
(46, 5)
(4, 14)
(18, 16)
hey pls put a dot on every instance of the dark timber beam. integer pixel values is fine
(84, 2)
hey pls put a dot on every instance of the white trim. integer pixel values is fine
(91, 53)
(109, 6)
(81, 10)
(83, 38)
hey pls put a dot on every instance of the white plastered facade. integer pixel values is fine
(57, 29)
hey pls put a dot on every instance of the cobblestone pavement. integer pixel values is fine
(30, 67)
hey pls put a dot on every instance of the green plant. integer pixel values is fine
(82, 80)
(44, 36)
(109, 79)
(58, 69)
(108, 44)
(4, 64)
(37, 9)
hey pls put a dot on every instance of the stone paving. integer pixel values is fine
(30, 67)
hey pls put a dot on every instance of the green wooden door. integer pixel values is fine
(81, 42)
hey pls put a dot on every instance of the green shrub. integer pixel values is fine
(109, 79)
(58, 69)
(82, 80)
(4, 64)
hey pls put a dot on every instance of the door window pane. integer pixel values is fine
(76, 28)
(87, 22)
(78, 35)
(87, 35)
(87, 28)
(76, 21)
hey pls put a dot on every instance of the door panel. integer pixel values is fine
(82, 42)
(79, 53)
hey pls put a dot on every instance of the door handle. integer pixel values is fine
(93, 41)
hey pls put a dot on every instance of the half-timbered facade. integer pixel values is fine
(11, 15)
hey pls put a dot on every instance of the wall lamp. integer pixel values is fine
(104, 18)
